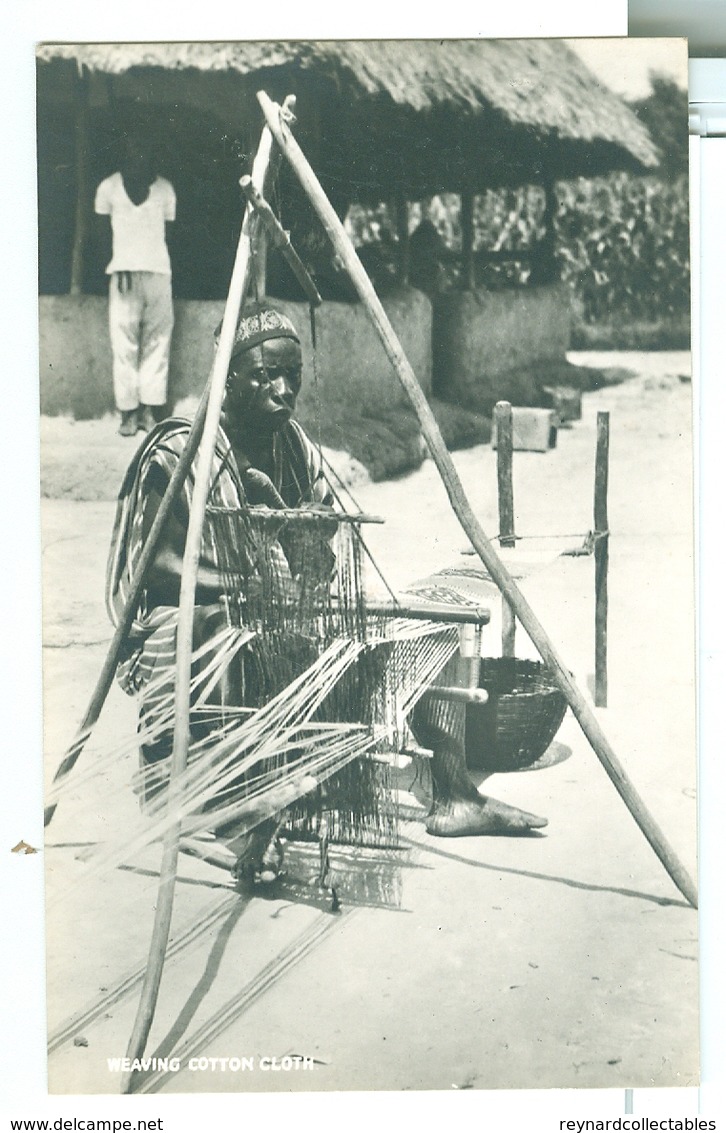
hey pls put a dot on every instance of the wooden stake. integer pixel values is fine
(505, 488)
(404, 242)
(505, 445)
(190, 566)
(468, 281)
(544, 263)
(602, 555)
(460, 504)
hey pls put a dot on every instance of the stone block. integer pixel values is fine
(566, 402)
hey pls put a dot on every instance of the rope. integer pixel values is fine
(342, 484)
(590, 535)
(316, 381)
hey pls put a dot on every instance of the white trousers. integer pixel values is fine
(140, 322)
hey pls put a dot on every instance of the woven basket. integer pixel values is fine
(519, 721)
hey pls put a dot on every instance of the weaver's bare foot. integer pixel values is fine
(271, 865)
(461, 818)
(259, 855)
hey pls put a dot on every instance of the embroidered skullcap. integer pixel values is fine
(258, 327)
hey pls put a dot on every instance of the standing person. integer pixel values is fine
(136, 208)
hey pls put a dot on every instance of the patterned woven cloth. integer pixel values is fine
(297, 477)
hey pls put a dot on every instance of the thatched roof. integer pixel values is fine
(424, 114)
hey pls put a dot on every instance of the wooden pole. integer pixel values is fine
(281, 240)
(544, 262)
(259, 255)
(468, 281)
(602, 555)
(460, 504)
(469, 661)
(446, 612)
(509, 630)
(404, 245)
(505, 490)
(470, 694)
(190, 564)
(550, 216)
(505, 449)
(81, 145)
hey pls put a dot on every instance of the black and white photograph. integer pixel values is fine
(369, 694)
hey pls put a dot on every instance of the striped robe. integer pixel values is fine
(151, 644)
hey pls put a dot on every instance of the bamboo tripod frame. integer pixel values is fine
(461, 507)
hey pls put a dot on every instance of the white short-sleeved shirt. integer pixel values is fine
(139, 239)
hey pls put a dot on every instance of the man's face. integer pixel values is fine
(263, 384)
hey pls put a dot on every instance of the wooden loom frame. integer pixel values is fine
(202, 441)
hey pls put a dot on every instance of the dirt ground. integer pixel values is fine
(566, 959)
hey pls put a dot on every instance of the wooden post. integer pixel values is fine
(469, 662)
(543, 261)
(468, 672)
(468, 281)
(602, 555)
(549, 265)
(462, 508)
(505, 447)
(259, 261)
(404, 262)
(83, 194)
(241, 273)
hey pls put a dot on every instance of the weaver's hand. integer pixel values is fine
(260, 490)
(282, 589)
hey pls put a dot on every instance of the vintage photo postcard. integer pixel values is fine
(369, 699)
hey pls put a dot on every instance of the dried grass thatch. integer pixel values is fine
(502, 97)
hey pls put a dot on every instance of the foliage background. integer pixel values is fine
(621, 242)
